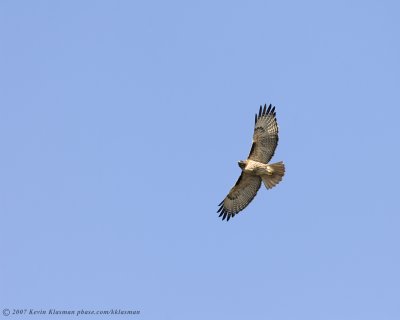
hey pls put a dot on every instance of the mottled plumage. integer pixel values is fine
(256, 168)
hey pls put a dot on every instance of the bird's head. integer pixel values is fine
(242, 164)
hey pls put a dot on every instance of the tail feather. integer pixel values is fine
(271, 181)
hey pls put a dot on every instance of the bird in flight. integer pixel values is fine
(256, 168)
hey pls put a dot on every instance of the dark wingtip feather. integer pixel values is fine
(265, 109)
(226, 214)
(222, 202)
(269, 109)
(259, 112)
(220, 208)
(255, 121)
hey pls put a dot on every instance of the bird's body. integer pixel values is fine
(257, 167)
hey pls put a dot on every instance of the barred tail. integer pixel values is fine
(271, 181)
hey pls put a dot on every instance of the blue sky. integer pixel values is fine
(121, 124)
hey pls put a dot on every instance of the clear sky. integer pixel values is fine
(121, 124)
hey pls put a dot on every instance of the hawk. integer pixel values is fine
(256, 168)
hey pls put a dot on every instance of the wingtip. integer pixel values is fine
(225, 214)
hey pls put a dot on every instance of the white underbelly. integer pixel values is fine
(257, 168)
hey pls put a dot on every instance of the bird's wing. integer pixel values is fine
(240, 195)
(265, 137)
